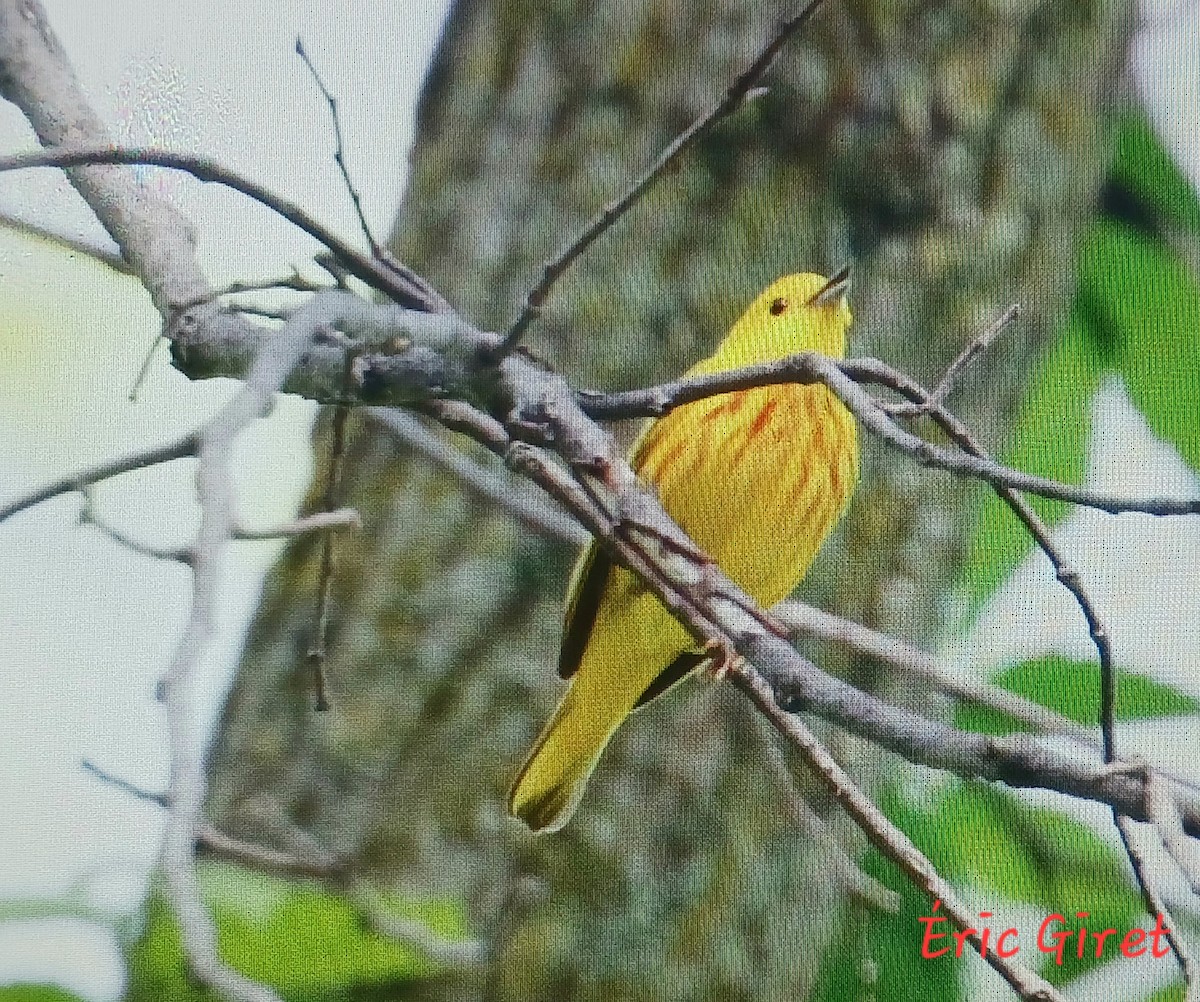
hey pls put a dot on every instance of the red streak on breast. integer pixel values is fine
(660, 465)
(764, 415)
(731, 405)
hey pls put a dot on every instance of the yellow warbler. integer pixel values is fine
(757, 478)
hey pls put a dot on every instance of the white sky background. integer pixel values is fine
(87, 627)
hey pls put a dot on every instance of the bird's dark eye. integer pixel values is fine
(778, 306)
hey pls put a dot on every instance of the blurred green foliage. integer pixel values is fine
(1136, 314)
(1070, 688)
(36, 993)
(307, 943)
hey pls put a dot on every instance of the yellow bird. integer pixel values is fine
(757, 478)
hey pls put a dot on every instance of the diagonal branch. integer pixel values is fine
(844, 379)
(181, 448)
(737, 92)
(889, 840)
(375, 273)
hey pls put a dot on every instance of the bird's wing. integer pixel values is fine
(588, 582)
(672, 675)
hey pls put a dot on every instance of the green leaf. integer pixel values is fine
(1143, 166)
(1149, 303)
(1050, 438)
(307, 943)
(36, 993)
(1072, 688)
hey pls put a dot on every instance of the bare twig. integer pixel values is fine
(75, 245)
(738, 91)
(973, 350)
(387, 279)
(411, 931)
(361, 896)
(144, 368)
(322, 521)
(88, 516)
(326, 521)
(339, 152)
(124, 785)
(1156, 906)
(1164, 815)
(181, 448)
(318, 650)
(213, 841)
(807, 621)
(811, 827)
(528, 508)
(281, 314)
(294, 282)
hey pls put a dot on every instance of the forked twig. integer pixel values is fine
(339, 153)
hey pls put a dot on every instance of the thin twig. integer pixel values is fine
(811, 827)
(294, 282)
(807, 621)
(1156, 906)
(1164, 815)
(88, 516)
(322, 521)
(144, 368)
(530, 509)
(734, 96)
(339, 153)
(318, 650)
(384, 920)
(212, 840)
(182, 448)
(255, 310)
(385, 278)
(973, 350)
(124, 785)
(76, 245)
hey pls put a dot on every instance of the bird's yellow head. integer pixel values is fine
(803, 312)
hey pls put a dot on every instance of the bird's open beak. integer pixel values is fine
(832, 291)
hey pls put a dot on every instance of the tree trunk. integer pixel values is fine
(951, 152)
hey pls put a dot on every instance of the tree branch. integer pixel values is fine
(844, 378)
(889, 840)
(735, 94)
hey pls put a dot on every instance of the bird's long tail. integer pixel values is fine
(551, 782)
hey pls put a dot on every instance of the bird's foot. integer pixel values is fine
(721, 658)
